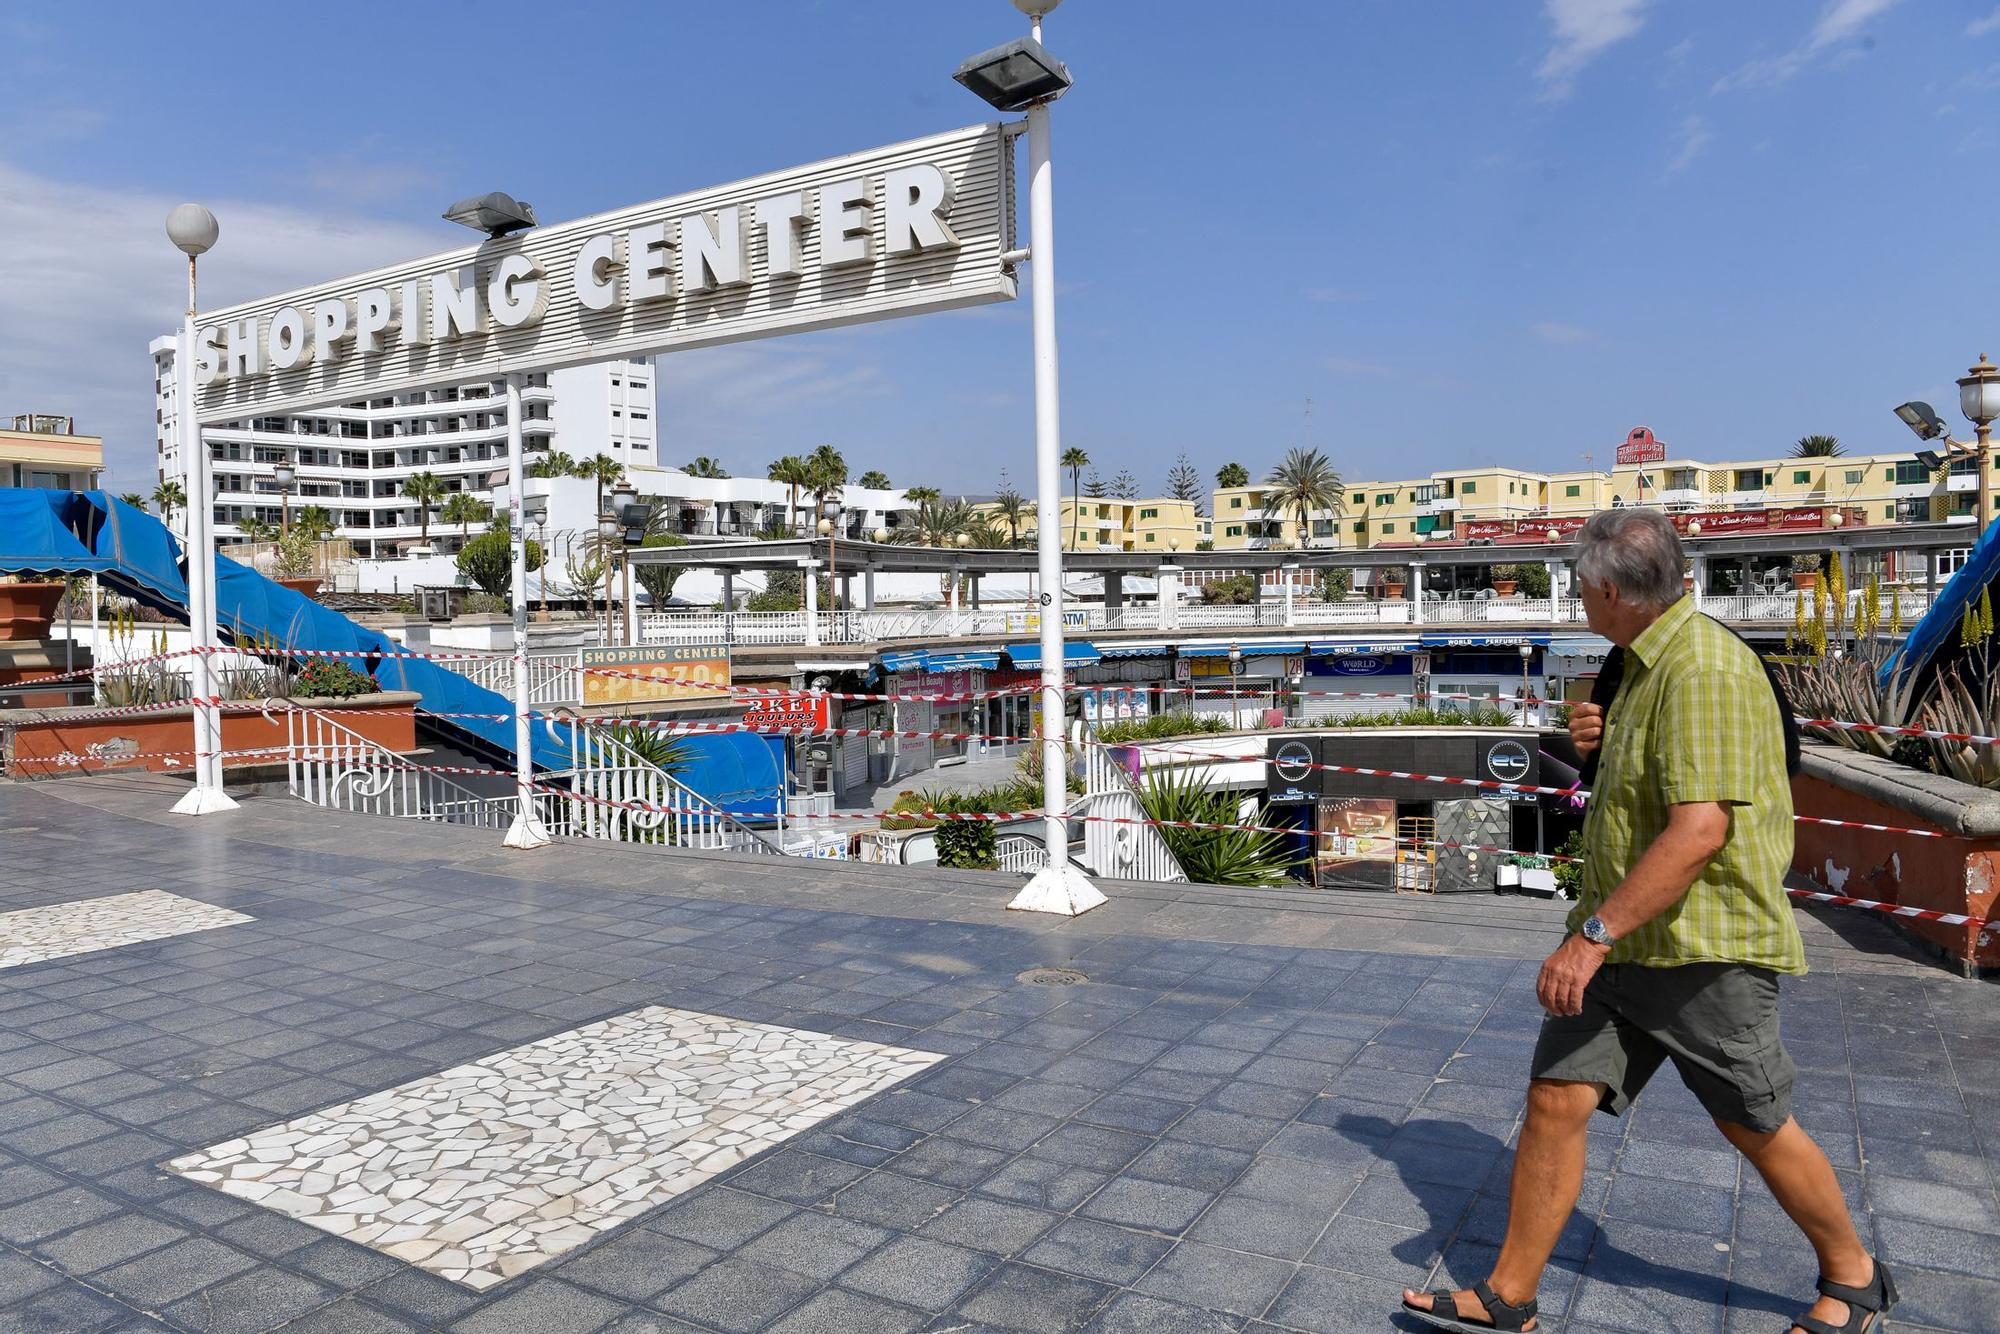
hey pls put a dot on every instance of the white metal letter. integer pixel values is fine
(517, 296)
(652, 262)
(240, 356)
(596, 280)
(712, 255)
(456, 308)
(208, 355)
(329, 327)
(844, 237)
(414, 323)
(915, 202)
(779, 217)
(374, 310)
(286, 345)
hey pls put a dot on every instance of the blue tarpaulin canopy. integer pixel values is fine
(1075, 654)
(33, 540)
(1366, 646)
(911, 661)
(1133, 650)
(1941, 623)
(1262, 648)
(1444, 639)
(983, 659)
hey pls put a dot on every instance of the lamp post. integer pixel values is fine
(829, 528)
(496, 215)
(1527, 654)
(607, 537)
(284, 475)
(1979, 400)
(193, 230)
(535, 512)
(631, 532)
(1022, 76)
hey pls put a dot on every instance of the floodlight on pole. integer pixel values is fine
(194, 231)
(495, 213)
(1921, 418)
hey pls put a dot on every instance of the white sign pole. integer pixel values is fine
(526, 832)
(206, 797)
(1057, 887)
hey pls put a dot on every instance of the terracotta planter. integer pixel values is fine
(1392, 590)
(54, 742)
(1505, 587)
(307, 585)
(28, 610)
(1805, 580)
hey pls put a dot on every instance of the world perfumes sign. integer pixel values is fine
(916, 227)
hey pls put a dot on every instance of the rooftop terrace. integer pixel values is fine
(692, 1092)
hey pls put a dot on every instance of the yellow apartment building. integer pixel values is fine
(46, 451)
(1101, 523)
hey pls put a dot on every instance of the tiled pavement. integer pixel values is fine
(1259, 1111)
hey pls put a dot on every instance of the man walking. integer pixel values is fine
(1677, 941)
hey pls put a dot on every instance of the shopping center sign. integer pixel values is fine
(915, 227)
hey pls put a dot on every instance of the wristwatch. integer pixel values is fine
(1597, 933)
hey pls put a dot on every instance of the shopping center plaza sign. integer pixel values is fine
(915, 227)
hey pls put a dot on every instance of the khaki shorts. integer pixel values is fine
(1717, 1022)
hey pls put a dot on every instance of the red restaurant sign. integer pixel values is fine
(1641, 447)
(788, 713)
(1716, 523)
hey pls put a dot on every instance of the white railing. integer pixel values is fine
(618, 794)
(337, 768)
(1133, 851)
(1021, 853)
(553, 678)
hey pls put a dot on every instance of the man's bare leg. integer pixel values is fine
(1548, 1177)
(1803, 1183)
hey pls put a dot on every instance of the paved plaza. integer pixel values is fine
(291, 1069)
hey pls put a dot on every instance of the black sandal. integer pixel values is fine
(1870, 1305)
(1500, 1315)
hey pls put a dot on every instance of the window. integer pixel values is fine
(1233, 530)
(1770, 477)
(1854, 476)
(1388, 528)
(1385, 500)
(1236, 502)
(1149, 514)
(639, 416)
(1152, 537)
(1888, 511)
(1802, 478)
(1361, 527)
(1467, 488)
(1910, 472)
(1573, 491)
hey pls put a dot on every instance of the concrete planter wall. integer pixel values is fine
(1959, 874)
(28, 610)
(46, 743)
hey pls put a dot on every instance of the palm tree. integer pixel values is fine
(827, 472)
(917, 495)
(793, 472)
(1232, 475)
(134, 499)
(984, 533)
(464, 509)
(874, 479)
(425, 490)
(1076, 461)
(1817, 447)
(1014, 511)
(555, 463)
(704, 466)
(602, 469)
(169, 496)
(317, 524)
(1304, 482)
(938, 523)
(255, 529)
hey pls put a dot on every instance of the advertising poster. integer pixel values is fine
(676, 671)
(1357, 829)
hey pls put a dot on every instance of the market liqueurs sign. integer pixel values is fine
(915, 227)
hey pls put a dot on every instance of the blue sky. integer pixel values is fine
(1468, 232)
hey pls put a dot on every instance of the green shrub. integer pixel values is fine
(475, 604)
(1160, 727)
(324, 678)
(1236, 591)
(1213, 856)
(1569, 875)
(1484, 715)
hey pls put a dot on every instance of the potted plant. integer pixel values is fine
(27, 610)
(1538, 875)
(1394, 579)
(1506, 578)
(1507, 875)
(1805, 571)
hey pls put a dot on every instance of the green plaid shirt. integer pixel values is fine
(1694, 721)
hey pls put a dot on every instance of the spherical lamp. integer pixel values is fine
(192, 229)
(880, 534)
(825, 527)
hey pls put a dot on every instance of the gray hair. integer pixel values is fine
(1636, 551)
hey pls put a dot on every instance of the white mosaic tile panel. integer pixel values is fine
(35, 935)
(489, 1169)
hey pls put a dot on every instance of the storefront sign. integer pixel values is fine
(680, 671)
(917, 226)
(795, 712)
(1714, 523)
(1509, 761)
(1292, 774)
(1357, 829)
(1030, 622)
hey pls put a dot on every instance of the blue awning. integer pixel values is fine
(1133, 650)
(981, 659)
(1263, 648)
(1444, 640)
(912, 661)
(1075, 654)
(1939, 626)
(1371, 646)
(33, 541)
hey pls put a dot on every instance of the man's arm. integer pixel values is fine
(1695, 832)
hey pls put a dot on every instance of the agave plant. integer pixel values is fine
(1212, 856)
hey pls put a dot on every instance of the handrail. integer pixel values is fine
(333, 766)
(1118, 842)
(617, 793)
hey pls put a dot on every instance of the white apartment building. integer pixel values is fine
(355, 460)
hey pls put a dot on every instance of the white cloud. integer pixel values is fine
(1838, 23)
(743, 394)
(1562, 335)
(1695, 139)
(88, 279)
(1584, 30)
(1980, 27)
(1679, 51)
